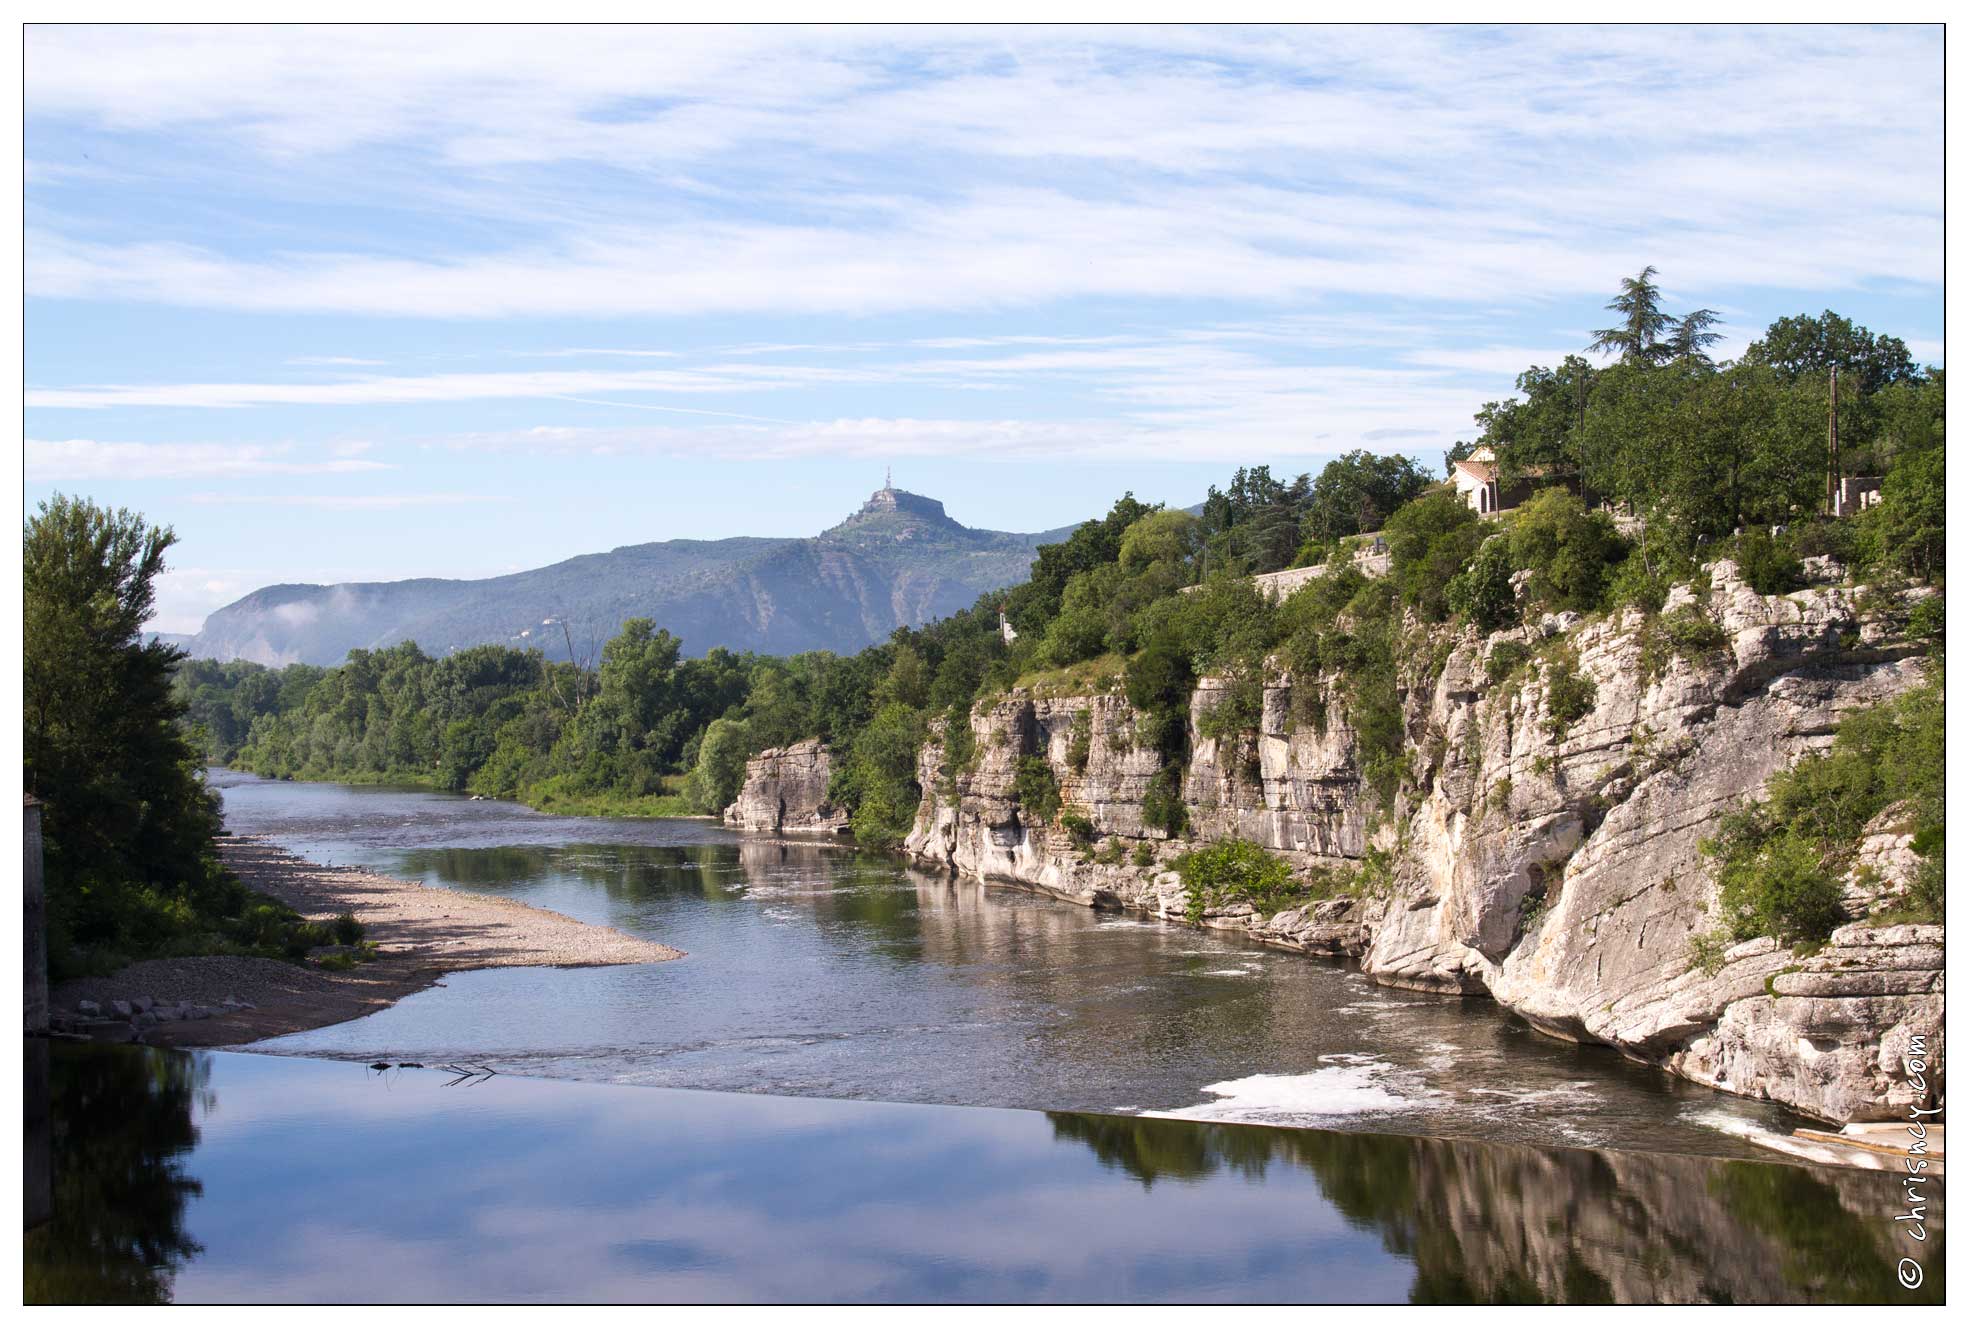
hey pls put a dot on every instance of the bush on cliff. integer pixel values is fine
(1036, 789)
(1779, 861)
(1237, 871)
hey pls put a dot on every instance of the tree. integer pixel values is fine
(1907, 529)
(1539, 436)
(1637, 337)
(1568, 550)
(1688, 345)
(1429, 541)
(1803, 346)
(1356, 493)
(130, 825)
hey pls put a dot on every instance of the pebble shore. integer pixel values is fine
(420, 934)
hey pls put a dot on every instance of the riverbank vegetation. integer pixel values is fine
(128, 825)
(1638, 473)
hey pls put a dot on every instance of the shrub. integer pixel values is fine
(348, 931)
(1162, 802)
(1706, 951)
(1110, 853)
(1080, 831)
(1687, 631)
(1238, 708)
(1568, 550)
(1237, 870)
(1569, 695)
(1768, 566)
(1780, 889)
(1144, 856)
(1482, 593)
(1080, 741)
(1907, 529)
(1429, 542)
(1035, 788)
(1504, 658)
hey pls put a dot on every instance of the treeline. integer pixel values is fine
(1706, 459)
(128, 826)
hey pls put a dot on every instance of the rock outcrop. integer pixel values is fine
(786, 790)
(1555, 867)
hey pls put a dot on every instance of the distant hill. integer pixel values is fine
(898, 561)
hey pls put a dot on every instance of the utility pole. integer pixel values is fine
(1832, 446)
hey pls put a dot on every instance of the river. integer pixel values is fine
(819, 971)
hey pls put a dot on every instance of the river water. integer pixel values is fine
(815, 970)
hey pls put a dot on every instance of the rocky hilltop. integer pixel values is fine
(1557, 869)
(898, 561)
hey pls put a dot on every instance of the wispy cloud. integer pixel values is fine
(347, 502)
(91, 459)
(868, 170)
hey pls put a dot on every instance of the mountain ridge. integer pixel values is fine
(899, 560)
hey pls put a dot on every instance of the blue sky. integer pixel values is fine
(364, 304)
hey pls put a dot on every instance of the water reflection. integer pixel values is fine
(120, 1134)
(300, 1180)
(1505, 1224)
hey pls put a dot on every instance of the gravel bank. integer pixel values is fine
(420, 932)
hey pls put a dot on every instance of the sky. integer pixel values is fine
(361, 304)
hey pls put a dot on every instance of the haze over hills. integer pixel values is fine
(900, 560)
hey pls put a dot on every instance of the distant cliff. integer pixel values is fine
(899, 561)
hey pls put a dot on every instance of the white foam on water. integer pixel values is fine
(1353, 1086)
(1728, 1123)
(1228, 973)
(1576, 1094)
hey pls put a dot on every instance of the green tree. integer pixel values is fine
(129, 823)
(1803, 346)
(1429, 542)
(1356, 493)
(1636, 339)
(1689, 342)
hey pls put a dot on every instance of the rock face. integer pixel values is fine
(1557, 868)
(786, 790)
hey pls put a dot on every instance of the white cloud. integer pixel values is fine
(90, 459)
(345, 502)
(674, 172)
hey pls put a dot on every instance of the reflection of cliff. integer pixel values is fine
(1502, 1223)
(120, 1120)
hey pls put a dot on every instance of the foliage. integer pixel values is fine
(1906, 530)
(1036, 789)
(1637, 337)
(1568, 551)
(1357, 493)
(1687, 631)
(1482, 593)
(1706, 951)
(128, 825)
(1779, 861)
(1766, 565)
(1162, 803)
(1503, 659)
(346, 929)
(1080, 741)
(1237, 871)
(1569, 694)
(1429, 541)
(1801, 346)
